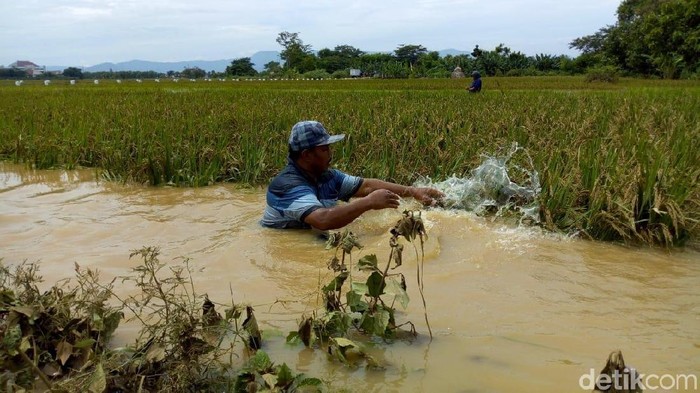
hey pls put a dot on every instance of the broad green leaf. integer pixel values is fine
(284, 375)
(259, 361)
(337, 323)
(293, 338)
(368, 263)
(376, 322)
(12, 338)
(355, 297)
(356, 302)
(359, 288)
(304, 384)
(393, 287)
(84, 343)
(375, 284)
(306, 381)
(381, 321)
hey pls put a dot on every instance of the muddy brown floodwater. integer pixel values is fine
(512, 309)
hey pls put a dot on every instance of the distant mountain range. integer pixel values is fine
(259, 59)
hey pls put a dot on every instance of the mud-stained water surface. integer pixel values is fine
(511, 309)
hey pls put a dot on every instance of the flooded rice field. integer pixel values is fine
(512, 309)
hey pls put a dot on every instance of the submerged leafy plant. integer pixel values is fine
(260, 374)
(185, 344)
(61, 332)
(366, 304)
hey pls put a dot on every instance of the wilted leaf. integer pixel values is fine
(339, 346)
(349, 242)
(25, 344)
(334, 264)
(396, 252)
(344, 343)
(305, 330)
(97, 382)
(270, 380)
(233, 313)
(52, 369)
(372, 363)
(63, 351)
(24, 310)
(112, 322)
(155, 353)
(251, 326)
(409, 226)
(209, 315)
(83, 359)
(368, 263)
(337, 282)
(333, 240)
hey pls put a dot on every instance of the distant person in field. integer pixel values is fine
(475, 87)
(305, 193)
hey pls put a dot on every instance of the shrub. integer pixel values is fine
(317, 74)
(340, 74)
(607, 74)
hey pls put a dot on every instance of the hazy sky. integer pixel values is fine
(88, 32)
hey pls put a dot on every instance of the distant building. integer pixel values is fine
(457, 73)
(355, 73)
(30, 68)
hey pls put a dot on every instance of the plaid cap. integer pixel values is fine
(308, 134)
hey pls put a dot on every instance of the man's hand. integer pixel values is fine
(382, 199)
(427, 196)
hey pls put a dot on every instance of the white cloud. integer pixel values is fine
(63, 32)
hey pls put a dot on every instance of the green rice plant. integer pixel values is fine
(617, 161)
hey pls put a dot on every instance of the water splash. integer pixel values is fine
(489, 189)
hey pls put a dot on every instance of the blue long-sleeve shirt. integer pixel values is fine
(475, 86)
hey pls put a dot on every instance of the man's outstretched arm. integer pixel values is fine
(342, 215)
(425, 195)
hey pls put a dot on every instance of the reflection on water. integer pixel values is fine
(512, 309)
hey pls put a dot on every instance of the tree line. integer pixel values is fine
(651, 38)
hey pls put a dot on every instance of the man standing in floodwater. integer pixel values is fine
(475, 87)
(305, 193)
